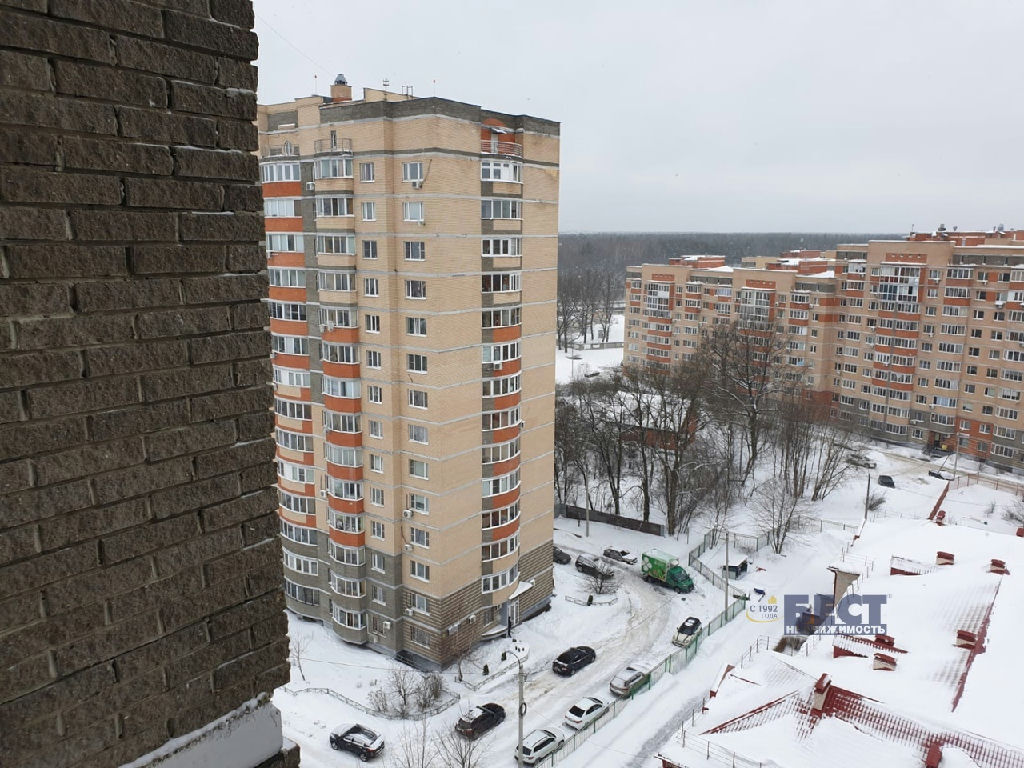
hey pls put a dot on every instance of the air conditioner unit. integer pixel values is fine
(1000, 303)
(410, 611)
(322, 493)
(417, 184)
(522, 424)
(471, 618)
(407, 547)
(408, 513)
(310, 185)
(385, 625)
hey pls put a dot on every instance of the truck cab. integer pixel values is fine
(664, 568)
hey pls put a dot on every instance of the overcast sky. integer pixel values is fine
(709, 115)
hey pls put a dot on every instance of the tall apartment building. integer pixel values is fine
(915, 341)
(412, 246)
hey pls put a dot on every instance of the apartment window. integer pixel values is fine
(418, 503)
(372, 323)
(334, 205)
(415, 289)
(294, 441)
(296, 473)
(336, 244)
(289, 345)
(418, 469)
(301, 505)
(291, 377)
(333, 168)
(417, 434)
(343, 456)
(499, 353)
(419, 636)
(377, 562)
(377, 594)
(412, 171)
(342, 422)
(494, 486)
(419, 570)
(501, 282)
(338, 353)
(416, 363)
(286, 278)
(298, 533)
(287, 310)
(501, 419)
(307, 595)
(419, 537)
(498, 387)
(335, 281)
(412, 211)
(377, 497)
(498, 517)
(306, 565)
(347, 388)
(366, 172)
(500, 548)
(270, 172)
(501, 580)
(505, 318)
(369, 211)
(502, 208)
(291, 409)
(371, 287)
(416, 326)
(502, 246)
(415, 251)
(500, 170)
(421, 603)
(417, 398)
(377, 529)
(374, 427)
(280, 242)
(375, 394)
(376, 463)
(279, 206)
(500, 451)
(369, 249)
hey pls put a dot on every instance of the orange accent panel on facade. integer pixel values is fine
(343, 404)
(282, 189)
(347, 539)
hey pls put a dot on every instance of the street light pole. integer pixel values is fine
(522, 710)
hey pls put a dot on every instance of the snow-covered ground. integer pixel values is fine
(590, 360)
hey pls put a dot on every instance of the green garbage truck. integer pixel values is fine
(664, 568)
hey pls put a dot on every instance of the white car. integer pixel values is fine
(584, 712)
(539, 744)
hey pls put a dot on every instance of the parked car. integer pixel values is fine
(480, 719)
(860, 460)
(886, 480)
(621, 555)
(591, 566)
(940, 474)
(584, 712)
(687, 632)
(539, 744)
(562, 557)
(629, 681)
(357, 739)
(572, 661)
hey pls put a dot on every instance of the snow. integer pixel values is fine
(590, 361)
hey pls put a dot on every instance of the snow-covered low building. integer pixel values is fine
(940, 687)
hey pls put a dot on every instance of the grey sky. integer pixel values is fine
(710, 115)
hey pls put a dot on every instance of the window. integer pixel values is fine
(417, 398)
(280, 172)
(501, 419)
(418, 503)
(375, 394)
(369, 249)
(307, 595)
(342, 422)
(412, 171)
(504, 318)
(497, 517)
(335, 281)
(377, 529)
(499, 353)
(294, 441)
(500, 451)
(286, 278)
(302, 505)
(334, 205)
(348, 619)
(290, 377)
(366, 172)
(420, 603)
(291, 409)
(289, 345)
(369, 211)
(502, 246)
(500, 170)
(375, 428)
(275, 207)
(419, 571)
(298, 533)
(498, 581)
(306, 565)
(377, 497)
(296, 473)
(285, 310)
(338, 353)
(343, 455)
(342, 244)
(333, 168)
(505, 385)
(418, 469)
(377, 594)
(377, 562)
(417, 434)
(279, 241)
(415, 289)
(501, 282)
(349, 490)
(371, 287)
(502, 208)
(416, 326)
(337, 317)
(416, 363)
(348, 388)
(346, 555)
(412, 211)
(415, 251)
(493, 486)
(500, 548)
(372, 323)
(419, 636)
(419, 537)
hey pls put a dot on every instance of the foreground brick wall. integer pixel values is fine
(139, 568)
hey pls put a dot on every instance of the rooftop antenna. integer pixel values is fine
(385, 83)
(314, 84)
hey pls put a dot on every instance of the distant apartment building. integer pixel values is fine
(412, 246)
(916, 341)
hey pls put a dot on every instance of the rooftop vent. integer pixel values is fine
(884, 662)
(943, 558)
(820, 691)
(340, 80)
(965, 639)
(998, 566)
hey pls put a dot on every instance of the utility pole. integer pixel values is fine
(522, 712)
(726, 575)
(867, 498)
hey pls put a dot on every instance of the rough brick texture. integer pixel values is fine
(139, 572)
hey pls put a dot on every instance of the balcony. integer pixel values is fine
(510, 148)
(335, 147)
(285, 150)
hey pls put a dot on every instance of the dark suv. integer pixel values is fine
(572, 661)
(357, 739)
(591, 566)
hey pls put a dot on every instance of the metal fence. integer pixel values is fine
(998, 483)
(449, 699)
(571, 512)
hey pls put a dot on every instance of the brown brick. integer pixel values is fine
(122, 696)
(237, 12)
(197, 551)
(40, 634)
(210, 35)
(40, 368)
(73, 331)
(251, 664)
(40, 745)
(165, 59)
(237, 74)
(252, 372)
(6, 334)
(10, 409)
(209, 601)
(261, 529)
(176, 587)
(22, 223)
(15, 476)
(234, 403)
(163, 651)
(28, 185)
(156, 535)
(246, 258)
(246, 614)
(109, 84)
(154, 125)
(25, 674)
(20, 610)
(96, 586)
(218, 290)
(243, 197)
(256, 477)
(170, 193)
(117, 156)
(184, 322)
(273, 678)
(88, 460)
(27, 439)
(239, 510)
(229, 347)
(107, 643)
(193, 496)
(229, 225)
(47, 111)
(89, 524)
(20, 70)
(144, 356)
(212, 100)
(79, 397)
(47, 568)
(170, 384)
(156, 259)
(26, 506)
(129, 226)
(261, 556)
(52, 698)
(234, 458)
(66, 260)
(29, 146)
(254, 426)
(128, 294)
(17, 543)
(237, 134)
(35, 33)
(132, 17)
(215, 164)
(269, 630)
(34, 298)
(208, 658)
(192, 439)
(134, 421)
(138, 480)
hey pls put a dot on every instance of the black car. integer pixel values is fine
(357, 739)
(562, 557)
(941, 475)
(480, 719)
(589, 565)
(572, 661)
(886, 480)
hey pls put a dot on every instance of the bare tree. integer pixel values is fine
(833, 445)
(429, 690)
(611, 288)
(603, 429)
(566, 446)
(454, 751)
(299, 645)
(402, 683)
(378, 698)
(413, 749)
(638, 412)
(777, 512)
(603, 581)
